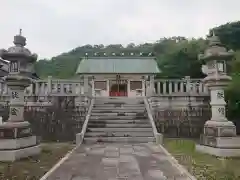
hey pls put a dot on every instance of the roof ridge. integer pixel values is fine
(119, 57)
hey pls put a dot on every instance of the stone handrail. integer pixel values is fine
(158, 136)
(80, 136)
(50, 87)
(180, 86)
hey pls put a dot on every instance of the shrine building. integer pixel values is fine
(123, 75)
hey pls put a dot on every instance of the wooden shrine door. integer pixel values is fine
(118, 87)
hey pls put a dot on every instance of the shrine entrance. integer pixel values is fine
(118, 87)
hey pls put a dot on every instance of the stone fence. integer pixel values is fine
(75, 87)
(59, 121)
(185, 122)
(50, 87)
(185, 86)
(180, 107)
(42, 92)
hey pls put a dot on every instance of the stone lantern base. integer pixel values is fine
(17, 141)
(219, 139)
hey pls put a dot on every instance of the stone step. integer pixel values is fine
(117, 114)
(119, 101)
(130, 102)
(119, 121)
(119, 105)
(91, 140)
(119, 134)
(117, 110)
(132, 125)
(120, 97)
(107, 104)
(119, 129)
(114, 117)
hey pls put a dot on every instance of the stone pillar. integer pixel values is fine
(36, 88)
(61, 84)
(128, 87)
(158, 88)
(187, 82)
(85, 83)
(181, 87)
(108, 86)
(16, 138)
(219, 136)
(49, 84)
(170, 87)
(176, 87)
(93, 87)
(143, 87)
(150, 86)
(164, 88)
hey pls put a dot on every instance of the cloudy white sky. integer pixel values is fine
(56, 26)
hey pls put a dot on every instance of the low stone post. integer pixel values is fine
(49, 85)
(219, 136)
(16, 138)
(85, 83)
(150, 86)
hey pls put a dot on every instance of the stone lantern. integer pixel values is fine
(219, 136)
(16, 138)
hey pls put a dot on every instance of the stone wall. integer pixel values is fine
(180, 116)
(59, 121)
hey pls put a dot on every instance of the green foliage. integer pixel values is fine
(229, 34)
(180, 58)
(202, 166)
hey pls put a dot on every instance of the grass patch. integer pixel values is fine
(203, 166)
(33, 168)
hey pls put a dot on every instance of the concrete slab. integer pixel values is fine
(219, 152)
(119, 162)
(13, 155)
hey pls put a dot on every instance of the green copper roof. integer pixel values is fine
(127, 65)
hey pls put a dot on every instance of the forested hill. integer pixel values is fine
(176, 56)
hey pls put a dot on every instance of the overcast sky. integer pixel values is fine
(56, 26)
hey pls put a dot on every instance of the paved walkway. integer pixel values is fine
(118, 162)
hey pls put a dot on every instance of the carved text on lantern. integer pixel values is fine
(221, 111)
(14, 111)
(15, 95)
(220, 95)
(211, 65)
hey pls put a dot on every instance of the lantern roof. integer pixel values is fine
(216, 50)
(18, 50)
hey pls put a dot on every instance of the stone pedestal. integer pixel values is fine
(17, 141)
(219, 139)
(219, 136)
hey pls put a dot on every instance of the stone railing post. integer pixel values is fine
(49, 85)
(85, 83)
(164, 87)
(182, 87)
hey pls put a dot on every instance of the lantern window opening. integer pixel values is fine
(14, 67)
(221, 66)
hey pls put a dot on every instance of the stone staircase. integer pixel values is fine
(119, 120)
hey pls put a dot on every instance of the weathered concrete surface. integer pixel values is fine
(145, 161)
